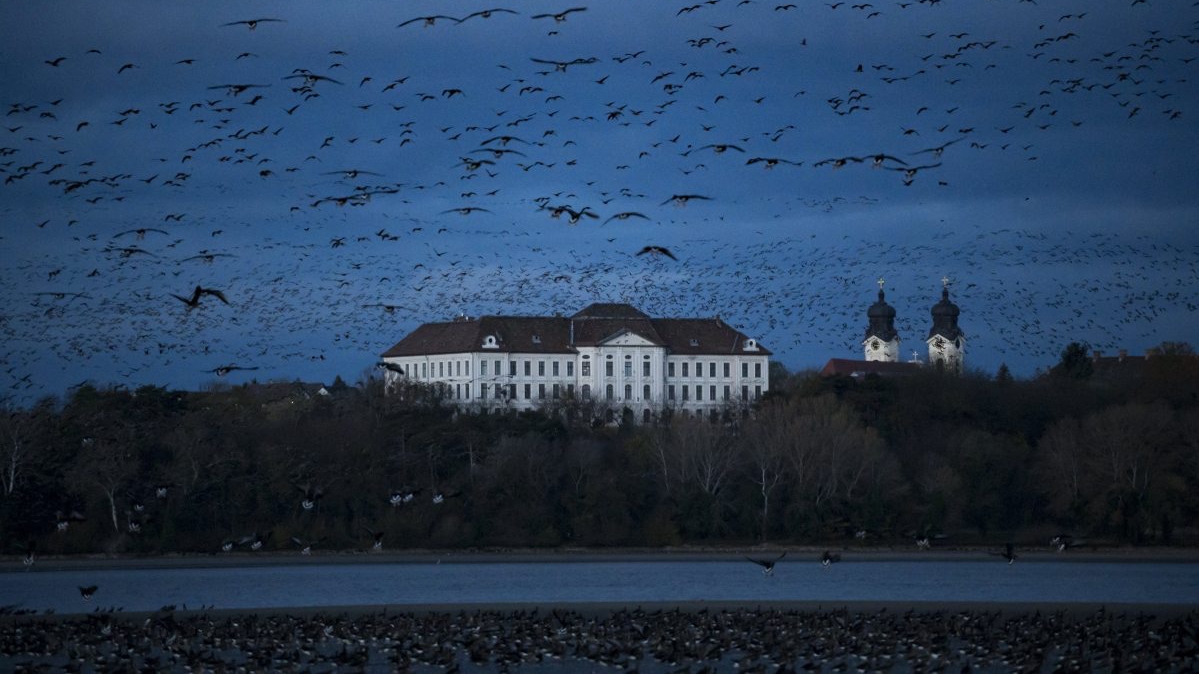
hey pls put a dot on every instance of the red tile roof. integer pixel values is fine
(591, 326)
(858, 368)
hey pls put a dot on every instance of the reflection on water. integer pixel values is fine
(590, 582)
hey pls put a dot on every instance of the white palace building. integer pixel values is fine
(610, 354)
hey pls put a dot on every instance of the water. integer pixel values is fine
(293, 585)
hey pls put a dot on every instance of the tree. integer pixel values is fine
(1075, 362)
(1004, 376)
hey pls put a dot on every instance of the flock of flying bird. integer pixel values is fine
(322, 193)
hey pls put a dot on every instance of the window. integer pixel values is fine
(528, 368)
(628, 368)
(686, 395)
(483, 390)
(497, 368)
(645, 392)
(685, 369)
(712, 369)
(570, 368)
(557, 391)
(528, 391)
(726, 394)
(482, 368)
(757, 392)
(511, 368)
(541, 368)
(712, 393)
(670, 369)
(586, 371)
(699, 393)
(645, 369)
(628, 391)
(512, 391)
(744, 393)
(608, 368)
(424, 370)
(586, 390)
(441, 369)
(541, 391)
(699, 369)
(757, 369)
(457, 391)
(744, 370)
(570, 390)
(726, 369)
(459, 367)
(608, 392)
(466, 390)
(499, 391)
(554, 368)
(670, 391)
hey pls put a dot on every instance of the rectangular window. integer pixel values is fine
(744, 393)
(441, 369)
(711, 393)
(528, 391)
(557, 391)
(628, 368)
(712, 369)
(528, 368)
(726, 369)
(483, 391)
(685, 369)
(554, 368)
(645, 392)
(458, 391)
(670, 391)
(459, 367)
(512, 391)
(699, 369)
(424, 370)
(466, 390)
(745, 370)
(699, 393)
(645, 369)
(499, 392)
(497, 368)
(541, 391)
(757, 370)
(511, 368)
(467, 367)
(726, 394)
(570, 390)
(586, 368)
(757, 392)
(482, 368)
(608, 368)
(570, 368)
(686, 392)
(670, 369)
(541, 368)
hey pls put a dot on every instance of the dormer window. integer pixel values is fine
(694, 342)
(536, 339)
(489, 342)
(751, 345)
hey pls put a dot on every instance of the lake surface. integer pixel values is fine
(316, 584)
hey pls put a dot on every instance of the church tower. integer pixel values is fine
(882, 341)
(946, 341)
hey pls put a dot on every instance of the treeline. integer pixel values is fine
(964, 460)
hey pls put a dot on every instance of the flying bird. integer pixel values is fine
(194, 301)
(559, 17)
(767, 564)
(251, 23)
(657, 250)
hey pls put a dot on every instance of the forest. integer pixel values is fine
(1104, 456)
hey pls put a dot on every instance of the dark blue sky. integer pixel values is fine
(1063, 204)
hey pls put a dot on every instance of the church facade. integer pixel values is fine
(612, 355)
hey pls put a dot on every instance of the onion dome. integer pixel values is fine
(945, 318)
(882, 320)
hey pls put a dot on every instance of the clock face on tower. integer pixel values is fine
(939, 344)
(874, 344)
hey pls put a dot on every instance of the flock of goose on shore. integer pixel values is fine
(633, 639)
(286, 195)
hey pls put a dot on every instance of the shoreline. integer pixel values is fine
(584, 555)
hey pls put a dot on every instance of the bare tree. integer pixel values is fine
(18, 441)
(766, 443)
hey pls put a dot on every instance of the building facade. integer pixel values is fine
(946, 341)
(612, 355)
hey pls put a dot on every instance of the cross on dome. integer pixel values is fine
(945, 281)
(880, 283)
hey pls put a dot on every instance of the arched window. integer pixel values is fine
(586, 391)
(608, 392)
(628, 391)
(645, 392)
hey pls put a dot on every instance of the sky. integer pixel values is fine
(340, 173)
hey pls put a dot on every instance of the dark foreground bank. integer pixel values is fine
(696, 637)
